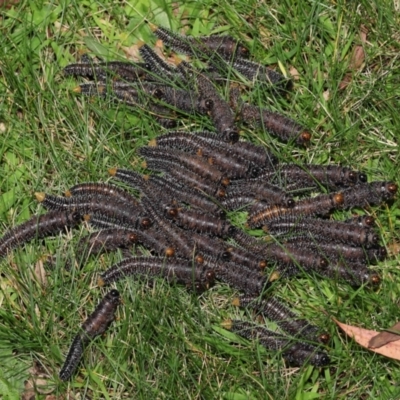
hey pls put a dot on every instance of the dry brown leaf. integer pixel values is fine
(385, 337)
(363, 337)
(357, 59)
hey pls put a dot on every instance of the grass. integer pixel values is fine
(168, 344)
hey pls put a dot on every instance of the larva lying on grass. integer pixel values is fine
(96, 324)
(38, 226)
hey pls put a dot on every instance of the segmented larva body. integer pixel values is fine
(96, 324)
(361, 220)
(157, 65)
(177, 237)
(186, 195)
(259, 73)
(105, 189)
(100, 205)
(248, 242)
(319, 205)
(334, 251)
(234, 167)
(200, 222)
(322, 231)
(296, 354)
(195, 164)
(265, 215)
(108, 240)
(179, 174)
(250, 282)
(203, 46)
(240, 202)
(182, 100)
(73, 358)
(38, 227)
(309, 176)
(261, 191)
(286, 319)
(289, 256)
(369, 194)
(244, 258)
(354, 274)
(123, 70)
(285, 128)
(176, 270)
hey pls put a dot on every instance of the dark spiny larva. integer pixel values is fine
(123, 70)
(195, 164)
(38, 226)
(235, 167)
(108, 240)
(173, 270)
(96, 324)
(287, 320)
(259, 73)
(200, 222)
(250, 282)
(202, 47)
(296, 354)
(369, 194)
(279, 125)
(100, 205)
(186, 195)
(309, 176)
(73, 358)
(157, 65)
(319, 205)
(262, 191)
(96, 188)
(320, 230)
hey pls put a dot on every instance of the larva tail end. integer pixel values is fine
(375, 279)
(236, 302)
(152, 26)
(169, 252)
(176, 60)
(100, 282)
(86, 217)
(144, 164)
(67, 193)
(227, 324)
(112, 171)
(274, 276)
(77, 89)
(40, 196)
(140, 44)
(153, 143)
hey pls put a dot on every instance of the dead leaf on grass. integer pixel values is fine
(363, 337)
(357, 59)
(390, 335)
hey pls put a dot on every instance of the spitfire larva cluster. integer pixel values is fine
(197, 180)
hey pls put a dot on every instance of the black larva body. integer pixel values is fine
(96, 324)
(45, 225)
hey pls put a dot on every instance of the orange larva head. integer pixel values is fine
(169, 252)
(132, 237)
(324, 338)
(392, 188)
(210, 276)
(304, 137)
(199, 259)
(338, 199)
(146, 223)
(375, 279)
